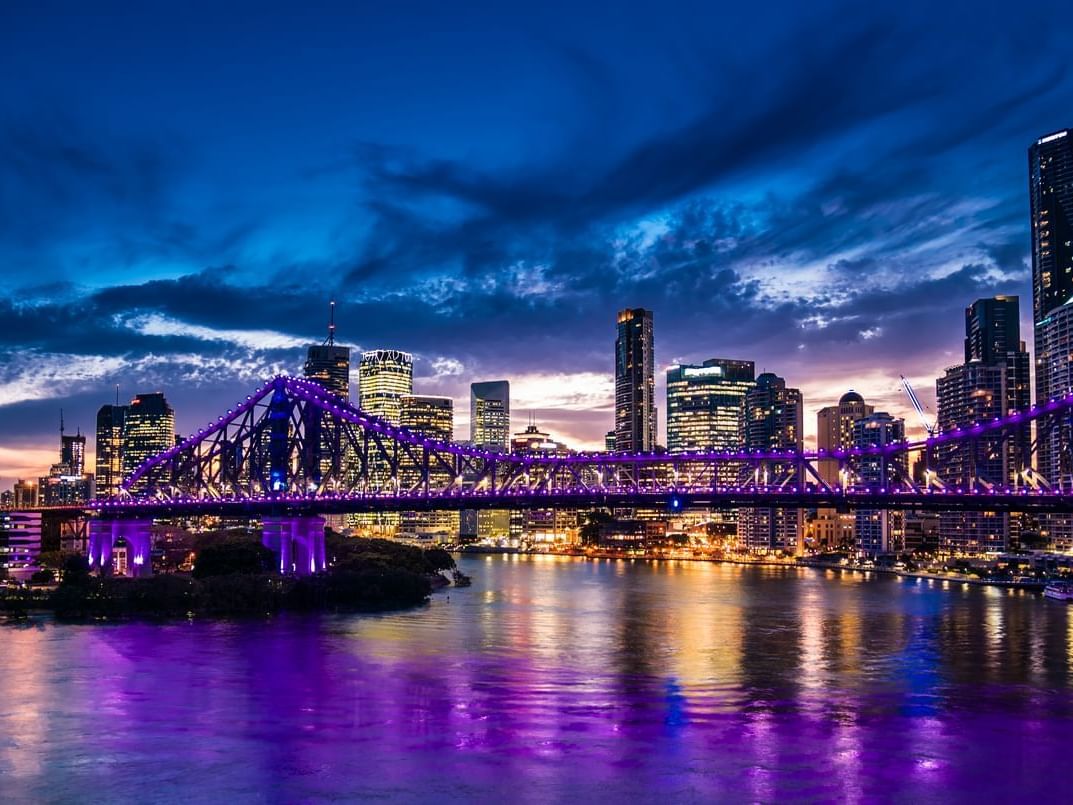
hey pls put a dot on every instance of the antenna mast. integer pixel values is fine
(331, 323)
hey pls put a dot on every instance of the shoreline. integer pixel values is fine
(1033, 586)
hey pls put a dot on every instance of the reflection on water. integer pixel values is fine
(560, 679)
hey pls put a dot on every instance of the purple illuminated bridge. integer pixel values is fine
(292, 452)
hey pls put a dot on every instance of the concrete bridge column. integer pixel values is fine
(138, 535)
(298, 541)
(101, 539)
(276, 536)
(103, 536)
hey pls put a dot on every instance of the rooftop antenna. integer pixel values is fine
(331, 323)
(61, 423)
(116, 395)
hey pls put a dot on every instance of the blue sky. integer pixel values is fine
(817, 187)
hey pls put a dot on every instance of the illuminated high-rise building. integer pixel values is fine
(432, 417)
(992, 382)
(1050, 191)
(73, 451)
(20, 543)
(489, 427)
(24, 494)
(541, 525)
(706, 411)
(834, 430)
(878, 531)
(384, 377)
(109, 449)
(66, 482)
(428, 416)
(329, 363)
(774, 420)
(489, 414)
(706, 405)
(149, 428)
(635, 389)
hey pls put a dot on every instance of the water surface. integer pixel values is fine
(557, 679)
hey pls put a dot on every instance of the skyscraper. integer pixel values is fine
(109, 448)
(489, 427)
(706, 411)
(635, 388)
(879, 531)
(66, 482)
(428, 416)
(384, 376)
(992, 382)
(706, 405)
(73, 451)
(992, 329)
(329, 363)
(541, 525)
(489, 414)
(774, 420)
(1050, 190)
(834, 430)
(149, 428)
(432, 417)
(25, 494)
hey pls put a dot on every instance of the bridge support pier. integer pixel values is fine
(103, 536)
(297, 541)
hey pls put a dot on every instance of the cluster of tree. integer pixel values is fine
(348, 553)
(235, 577)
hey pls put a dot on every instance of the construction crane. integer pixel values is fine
(930, 477)
(930, 428)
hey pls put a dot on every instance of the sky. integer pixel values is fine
(818, 187)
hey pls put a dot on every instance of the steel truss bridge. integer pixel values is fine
(292, 451)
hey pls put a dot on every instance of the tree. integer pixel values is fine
(55, 559)
(75, 570)
(233, 556)
(594, 520)
(43, 576)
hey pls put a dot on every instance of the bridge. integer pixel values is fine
(292, 452)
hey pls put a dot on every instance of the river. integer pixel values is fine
(555, 679)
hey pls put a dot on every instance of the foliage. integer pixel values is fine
(357, 553)
(43, 576)
(241, 594)
(55, 559)
(233, 556)
(162, 596)
(365, 588)
(234, 577)
(590, 530)
(75, 570)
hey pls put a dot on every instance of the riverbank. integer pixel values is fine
(237, 577)
(1031, 586)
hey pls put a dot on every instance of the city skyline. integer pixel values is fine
(564, 402)
(836, 250)
(899, 405)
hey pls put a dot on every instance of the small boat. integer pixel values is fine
(1059, 590)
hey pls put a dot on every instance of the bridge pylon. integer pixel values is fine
(104, 536)
(297, 541)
